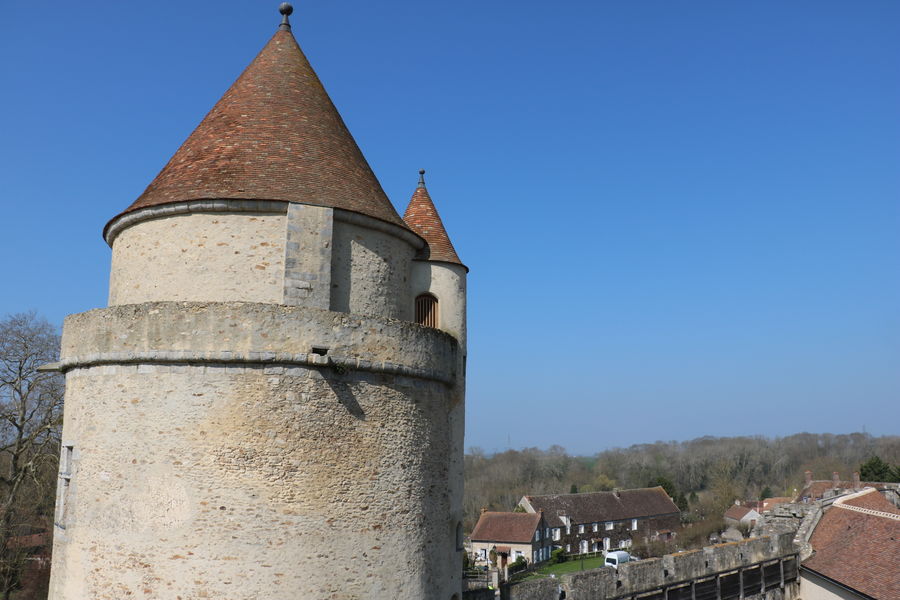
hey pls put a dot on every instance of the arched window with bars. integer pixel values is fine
(427, 310)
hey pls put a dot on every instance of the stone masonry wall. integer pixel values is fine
(250, 473)
(262, 333)
(670, 571)
(370, 272)
(307, 274)
(200, 257)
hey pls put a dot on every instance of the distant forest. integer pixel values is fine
(706, 474)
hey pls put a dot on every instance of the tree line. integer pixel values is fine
(31, 402)
(706, 474)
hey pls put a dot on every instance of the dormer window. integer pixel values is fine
(427, 310)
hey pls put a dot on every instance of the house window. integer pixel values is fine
(606, 544)
(626, 543)
(595, 527)
(584, 546)
(556, 533)
(634, 524)
(609, 525)
(482, 554)
(519, 554)
(534, 557)
(537, 535)
(427, 310)
(568, 529)
(581, 529)
(568, 548)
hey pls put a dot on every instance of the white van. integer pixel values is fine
(616, 558)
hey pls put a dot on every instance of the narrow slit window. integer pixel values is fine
(427, 310)
(62, 491)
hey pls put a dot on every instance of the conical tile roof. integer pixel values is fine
(274, 135)
(423, 218)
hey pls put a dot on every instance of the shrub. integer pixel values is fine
(518, 565)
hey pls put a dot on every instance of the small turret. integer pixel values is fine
(438, 276)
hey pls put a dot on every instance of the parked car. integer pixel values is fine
(616, 558)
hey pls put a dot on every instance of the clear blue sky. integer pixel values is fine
(682, 218)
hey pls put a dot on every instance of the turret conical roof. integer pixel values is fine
(423, 218)
(274, 135)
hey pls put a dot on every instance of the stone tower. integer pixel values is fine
(272, 405)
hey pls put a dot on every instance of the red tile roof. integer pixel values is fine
(770, 503)
(506, 527)
(737, 512)
(604, 506)
(274, 135)
(859, 550)
(870, 499)
(423, 218)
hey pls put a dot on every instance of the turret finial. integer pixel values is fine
(285, 9)
(421, 178)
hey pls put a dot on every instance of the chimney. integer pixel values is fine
(835, 480)
(856, 484)
(808, 475)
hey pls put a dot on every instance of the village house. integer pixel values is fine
(511, 535)
(855, 549)
(602, 521)
(740, 514)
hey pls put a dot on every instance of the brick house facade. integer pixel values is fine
(601, 521)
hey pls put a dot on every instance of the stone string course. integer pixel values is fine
(128, 219)
(114, 227)
(273, 362)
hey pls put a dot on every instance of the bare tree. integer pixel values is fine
(30, 421)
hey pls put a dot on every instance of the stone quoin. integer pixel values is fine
(272, 404)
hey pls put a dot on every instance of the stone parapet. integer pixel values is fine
(675, 572)
(256, 333)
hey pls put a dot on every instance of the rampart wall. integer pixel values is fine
(754, 569)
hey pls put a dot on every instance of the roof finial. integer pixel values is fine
(285, 9)
(421, 178)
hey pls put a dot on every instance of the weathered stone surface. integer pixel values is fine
(227, 332)
(200, 256)
(370, 272)
(179, 475)
(213, 455)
